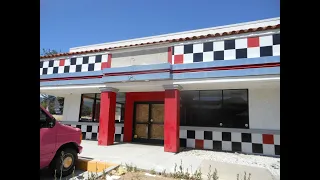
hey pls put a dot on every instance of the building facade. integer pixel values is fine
(216, 88)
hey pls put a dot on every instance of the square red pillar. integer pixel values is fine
(172, 118)
(107, 116)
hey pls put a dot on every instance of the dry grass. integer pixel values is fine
(133, 173)
(143, 176)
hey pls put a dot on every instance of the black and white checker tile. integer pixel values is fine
(265, 144)
(118, 136)
(71, 65)
(91, 132)
(252, 47)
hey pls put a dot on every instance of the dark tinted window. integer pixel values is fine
(216, 108)
(87, 107)
(235, 107)
(43, 119)
(43, 116)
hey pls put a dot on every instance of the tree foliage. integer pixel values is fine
(47, 52)
(49, 102)
(86, 110)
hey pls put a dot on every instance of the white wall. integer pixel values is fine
(264, 108)
(264, 105)
(143, 57)
(71, 107)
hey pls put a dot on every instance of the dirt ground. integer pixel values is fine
(142, 176)
(135, 175)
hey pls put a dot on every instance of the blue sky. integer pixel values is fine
(70, 23)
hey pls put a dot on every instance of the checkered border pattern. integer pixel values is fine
(91, 132)
(71, 65)
(266, 144)
(251, 47)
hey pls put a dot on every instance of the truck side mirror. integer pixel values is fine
(51, 122)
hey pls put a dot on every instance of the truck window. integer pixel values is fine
(44, 119)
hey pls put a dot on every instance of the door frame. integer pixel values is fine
(147, 140)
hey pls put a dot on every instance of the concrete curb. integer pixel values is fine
(92, 166)
(86, 174)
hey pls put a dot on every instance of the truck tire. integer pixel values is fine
(64, 162)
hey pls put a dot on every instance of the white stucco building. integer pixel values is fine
(216, 88)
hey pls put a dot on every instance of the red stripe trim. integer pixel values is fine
(199, 69)
(71, 78)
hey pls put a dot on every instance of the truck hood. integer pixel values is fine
(69, 133)
(68, 129)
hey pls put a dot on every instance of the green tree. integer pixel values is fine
(48, 102)
(61, 102)
(86, 110)
(46, 52)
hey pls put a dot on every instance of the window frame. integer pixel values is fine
(121, 109)
(94, 108)
(198, 103)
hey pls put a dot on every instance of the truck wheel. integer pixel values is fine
(64, 162)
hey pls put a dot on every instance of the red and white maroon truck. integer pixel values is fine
(59, 144)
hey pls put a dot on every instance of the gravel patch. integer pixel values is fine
(270, 163)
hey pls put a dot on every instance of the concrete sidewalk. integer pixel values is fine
(150, 157)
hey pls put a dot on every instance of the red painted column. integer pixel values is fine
(109, 60)
(107, 116)
(170, 55)
(172, 118)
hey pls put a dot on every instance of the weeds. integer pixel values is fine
(73, 172)
(197, 175)
(187, 174)
(96, 167)
(164, 174)
(131, 168)
(180, 174)
(136, 177)
(153, 172)
(92, 176)
(104, 173)
(128, 167)
(55, 174)
(214, 175)
(244, 176)
(134, 169)
(61, 167)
